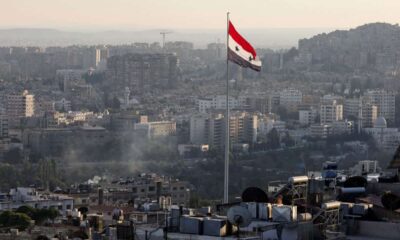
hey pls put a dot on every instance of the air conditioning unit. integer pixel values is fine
(284, 213)
(260, 211)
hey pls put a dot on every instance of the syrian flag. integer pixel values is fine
(240, 51)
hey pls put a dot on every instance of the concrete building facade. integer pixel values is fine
(142, 71)
(385, 101)
(331, 112)
(290, 98)
(210, 129)
(19, 106)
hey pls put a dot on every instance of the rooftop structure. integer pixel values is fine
(21, 196)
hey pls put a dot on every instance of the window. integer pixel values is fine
(134, 190)
(152, 188)
(68, 206)
(142, 190)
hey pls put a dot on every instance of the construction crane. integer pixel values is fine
(163, 37)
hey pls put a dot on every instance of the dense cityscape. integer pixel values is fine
(126, 141)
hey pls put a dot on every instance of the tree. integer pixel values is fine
(116, 104)
(13, 156)
(79, 234)
(39, 215)
(288, 140)
(42, 237)
(42, 215)
(282, 112)
(273, 141)
(10, 219)
(53, 213)
(28, 210)
(84, 211)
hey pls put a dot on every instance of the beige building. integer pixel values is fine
(156, 129)
(369, 115)
(331, 112)
(385, 101)
(19, 106)
(210, 129)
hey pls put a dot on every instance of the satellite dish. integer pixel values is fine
(356, 181)
(254, 194)
(239, 216)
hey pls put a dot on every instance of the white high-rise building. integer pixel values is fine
(210, 129)
(331, 112)
(219, 103)
(385, 101)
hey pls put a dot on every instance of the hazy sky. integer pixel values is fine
(205, 14)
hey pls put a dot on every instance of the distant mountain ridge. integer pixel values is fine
(261, 38)
(375, 45)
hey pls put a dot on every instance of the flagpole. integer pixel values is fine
(227, 143)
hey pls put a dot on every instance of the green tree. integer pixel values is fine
(116, 104)
(288, 140)
(53, 213)
(83, 210)
(42, 215)
(13, 156)
(42, 237)
(39, 215)
(79, 234)
(28, 210)
(273, 141)
(10, 219)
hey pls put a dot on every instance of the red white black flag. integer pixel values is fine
(240, 51)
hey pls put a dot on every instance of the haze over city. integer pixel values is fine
(273, 24)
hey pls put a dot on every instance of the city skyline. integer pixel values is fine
(158, 119)
(176, 14)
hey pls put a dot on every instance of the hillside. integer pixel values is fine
(374, 46)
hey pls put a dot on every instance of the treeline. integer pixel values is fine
(23, 216)
(43, 173)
